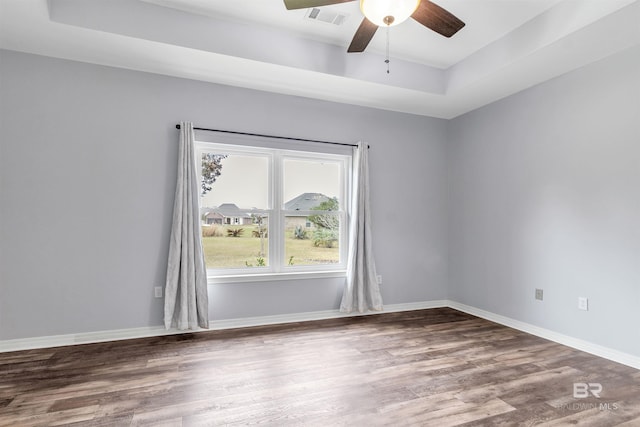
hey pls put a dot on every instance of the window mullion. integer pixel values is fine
(277, 247)
(347, 188)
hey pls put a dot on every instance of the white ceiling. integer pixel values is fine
(486, 21)
(506, 46)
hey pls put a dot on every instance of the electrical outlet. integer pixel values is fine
(158, 291)
(583, 303)
(539, 294)
(379, 279)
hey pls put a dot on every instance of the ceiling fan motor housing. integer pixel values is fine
(388, 12)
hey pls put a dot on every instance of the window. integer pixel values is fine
(272, 211)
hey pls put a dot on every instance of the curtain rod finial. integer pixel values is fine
(178, 126)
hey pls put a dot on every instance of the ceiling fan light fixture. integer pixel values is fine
(387, 13)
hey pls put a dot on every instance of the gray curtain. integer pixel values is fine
(186, 304)
(361, 291)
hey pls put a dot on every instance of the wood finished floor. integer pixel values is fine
(437, 367)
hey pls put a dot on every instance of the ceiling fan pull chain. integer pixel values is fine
(387, 58)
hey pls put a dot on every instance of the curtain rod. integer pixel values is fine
(274, 136)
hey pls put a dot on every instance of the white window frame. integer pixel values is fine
(278, 268)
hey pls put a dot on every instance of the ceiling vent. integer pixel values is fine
(325, 15)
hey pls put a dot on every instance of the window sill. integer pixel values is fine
(276, 277)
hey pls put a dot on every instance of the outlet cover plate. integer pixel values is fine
(539, 294)
(583, 303)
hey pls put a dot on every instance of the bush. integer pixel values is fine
(212, 231)
(235, 232)
(261, 262)
(256, 233)
(324, 237)
(300, 233)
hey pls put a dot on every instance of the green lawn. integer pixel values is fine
(235, 252)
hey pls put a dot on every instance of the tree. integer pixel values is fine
(327, 225)
(261, 230)
(328, 221)
(211, 170)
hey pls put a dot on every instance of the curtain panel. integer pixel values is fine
(361, 291)
(186, 303)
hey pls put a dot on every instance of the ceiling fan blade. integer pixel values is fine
(436, 18)
(363, 36)
(304, 4)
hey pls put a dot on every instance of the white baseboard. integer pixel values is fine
(586, 346)
(83, 338)
(154, 331)
(319, 315)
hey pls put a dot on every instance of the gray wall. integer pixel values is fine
(87, 170)
(539, 190)
(544, 191)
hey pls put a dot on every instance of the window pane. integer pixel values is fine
(312, 185)
(234, 195)
(235, 180)
(237, 246)
(312, 240)
(307, 183)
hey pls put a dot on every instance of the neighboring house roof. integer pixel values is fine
(213, 214)
(305, 202)
(230, 209)
(225, 210)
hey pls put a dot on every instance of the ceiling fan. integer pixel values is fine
(387, 13)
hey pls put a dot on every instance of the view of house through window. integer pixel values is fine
(312, 219)
(266, 210)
